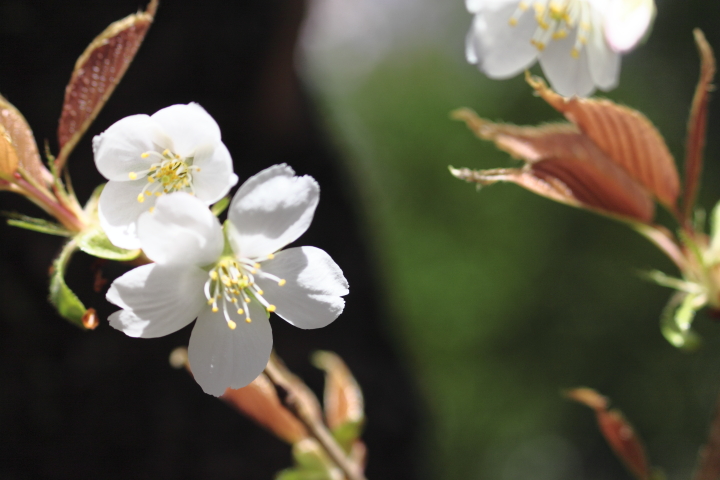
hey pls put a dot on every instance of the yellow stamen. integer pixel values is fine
(132, 176)
(281, 282)
(240, 311)
(232, 325)
(152, 209)
(271, 308)
(248, 320)
(141, 198)
(270, 256)
(145, 155)
(215, 309)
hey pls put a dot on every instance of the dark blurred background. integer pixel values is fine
(468, 311)
(98, 404)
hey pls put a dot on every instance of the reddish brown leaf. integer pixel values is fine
(627, 137)
(97, 72)
(695, 143)
(343, 399)
(18, 147)
(617, 431)
(260, 402)
(563, 165)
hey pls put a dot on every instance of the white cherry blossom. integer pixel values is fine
(567, 37)
(230, 278)
(177, 149)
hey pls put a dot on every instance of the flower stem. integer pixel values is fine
(65, 216)
(302, 402)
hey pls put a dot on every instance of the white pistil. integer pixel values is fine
(232, 281)
(171, 173)
(556, 20)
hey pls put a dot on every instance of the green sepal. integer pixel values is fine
(95, 242)
(347, 433)
(65, 301)
(220, 206)
(36, 224)
(676, 321)
(311, 463)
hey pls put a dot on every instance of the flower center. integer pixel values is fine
(170, 173)
(231, 284)
(556, 19)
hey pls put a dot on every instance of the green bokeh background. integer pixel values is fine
(501, 299)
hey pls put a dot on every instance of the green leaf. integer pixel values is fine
(220, 206)
(36, 224)
(676, 321)
(65, 301)
(94, 242)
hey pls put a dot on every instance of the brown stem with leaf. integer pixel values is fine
(298, 398)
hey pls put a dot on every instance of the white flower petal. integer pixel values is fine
(604, 63)
(567, 75)
(221, 358)
(312, 296)
(475, 6)
(117, 150)
(270, 210)
(181, 230)
(119, 209)
(502, 50)
(156, 300)
(188, 126)
(216, 177)
(626, 22)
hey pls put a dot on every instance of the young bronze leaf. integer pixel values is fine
(563, 165)
(617, 431)
(18, 146)
(627, 137)
(97, 72)
(260, 401)
(697, 123)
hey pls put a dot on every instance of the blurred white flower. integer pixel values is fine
(231, 278)
(177, 149)
(568, 37)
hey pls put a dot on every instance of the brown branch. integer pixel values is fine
(298, 398)
(708, 465)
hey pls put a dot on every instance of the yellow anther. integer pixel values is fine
(584, 26)
(253, 271)
(240, 311)
(270, 308)
(211, 301)
(560, 34)
(575, 53)
(256, 265)
(247, 299)
(214, 275)
(151, 179)
(232, 325)
(260, 292)
(145, 155)
(281, 282)
(132, 176)
(523, 6)
(148, 193)
(271, 256)
(234, 300)
(215, 309)
(141, 198)
(513, 21)
(166, 152)
(152, 209)
(157, 194)
(248, 320)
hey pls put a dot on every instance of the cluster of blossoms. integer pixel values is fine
(577, 42)
(163, 171)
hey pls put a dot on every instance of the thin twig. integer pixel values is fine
(303, 403)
